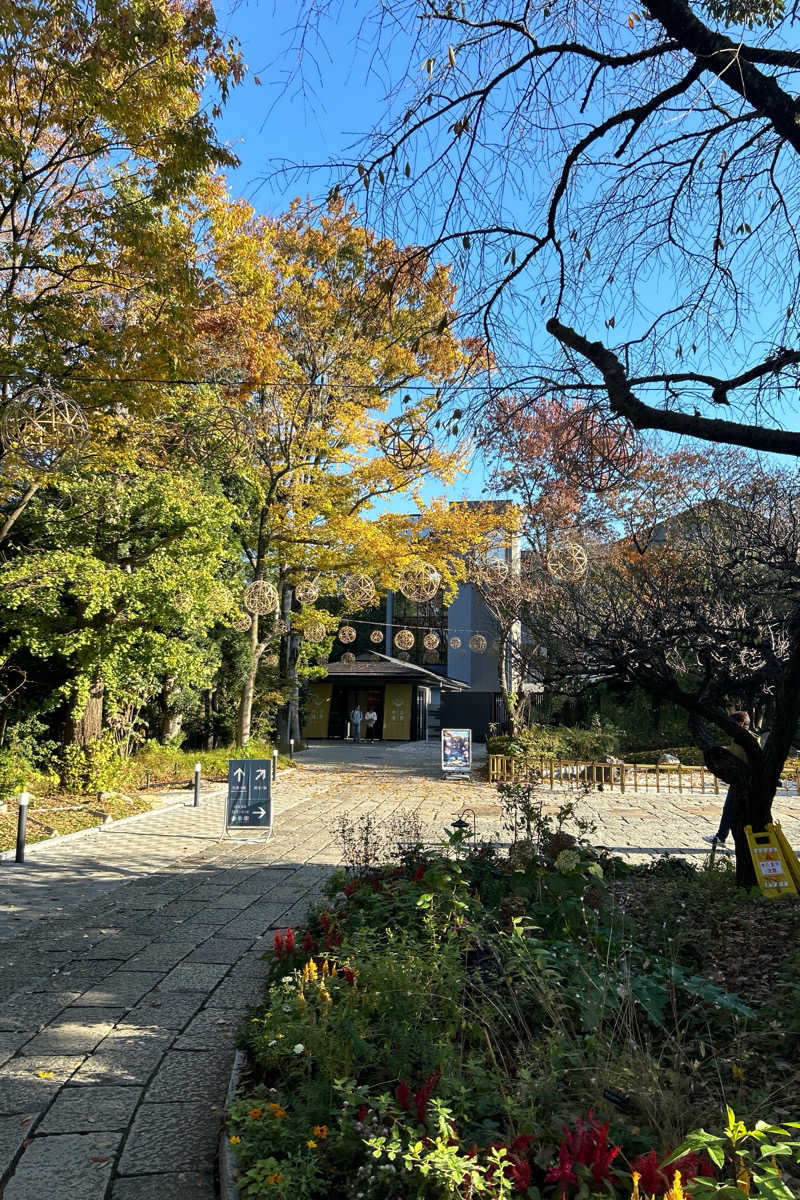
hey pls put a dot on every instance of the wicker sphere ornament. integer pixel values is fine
(347, 634)
(241, 622)
(405, 443)
(597, 450)
(315, 632)
(431, 641)
(348, 657)
(376, 637)
(404, 639)
(495, 570)
(419, 582)
(567, 562)
(43, 427)
(477, 643)
(306, 591)
(358, 590)
(221, 436)
(455, 643)
(261, 597)
(271, 660)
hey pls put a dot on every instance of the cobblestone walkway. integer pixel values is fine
(128, 956)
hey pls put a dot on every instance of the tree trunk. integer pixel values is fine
(85, 725)
(209, 714)
(249, 687)
(171, 721)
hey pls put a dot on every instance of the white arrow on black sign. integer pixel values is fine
(260, 812)
(239, 773)
(260, 775)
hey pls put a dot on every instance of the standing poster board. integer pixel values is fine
(457, 752)
(249, 804)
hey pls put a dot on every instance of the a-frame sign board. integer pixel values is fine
(249, 804)
(777, 868)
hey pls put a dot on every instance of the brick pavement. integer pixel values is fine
(128, 957)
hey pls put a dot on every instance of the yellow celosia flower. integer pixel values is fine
(311, 1144)
(635, 1193)
(234, 1141)
(676, 1191)
(326, 970)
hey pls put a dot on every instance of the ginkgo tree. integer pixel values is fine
(321, 327)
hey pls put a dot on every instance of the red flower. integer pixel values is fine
(519, 1172)
(707, 1169)
(563, 1173)
(277, 945)
(349, 974)
(350, 887)
(588, 1144)
(403, 1094)
(688, 1165)
(307, 942)
(420, 871)
(652, 1179)
(422, 1097)
(289, 941)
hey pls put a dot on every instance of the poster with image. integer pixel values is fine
(457, 750)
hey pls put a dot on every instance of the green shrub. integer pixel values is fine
(98, 767)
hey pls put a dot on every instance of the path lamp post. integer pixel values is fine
(197, 770)
(22, 821)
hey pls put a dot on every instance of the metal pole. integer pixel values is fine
(22, 821)
(197, 769)
(291, 748)
(274, 764)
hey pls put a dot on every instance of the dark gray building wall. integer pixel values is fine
(468, 710)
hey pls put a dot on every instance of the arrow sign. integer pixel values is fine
(245, 809)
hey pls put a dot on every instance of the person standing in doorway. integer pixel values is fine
(370, 720)
(355, 721)
(718, 839)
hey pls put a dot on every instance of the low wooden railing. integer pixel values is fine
(621, 776)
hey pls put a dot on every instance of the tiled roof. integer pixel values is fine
(373, 665)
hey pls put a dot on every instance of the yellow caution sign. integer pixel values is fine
(789, 856)
(772, 871)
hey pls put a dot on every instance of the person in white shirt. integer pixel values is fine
(370, 720)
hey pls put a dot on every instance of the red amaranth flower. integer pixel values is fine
(403, 1095)
(361, 1112)
(417, 876)
(652, 1180)
(289, 941)
(349, 974)
(563, 1173)
(350, 887)
(422, 1096)
(688, 1165)
(588, 1144)
(277, 945)
(519, 1172)
(307, 941)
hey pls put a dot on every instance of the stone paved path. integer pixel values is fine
(128, 956)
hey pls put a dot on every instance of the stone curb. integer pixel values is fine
(227, 1160)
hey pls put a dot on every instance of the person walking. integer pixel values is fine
(355, 721)
(370, 720)
(742, 719)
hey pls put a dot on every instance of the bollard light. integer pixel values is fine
(291, 747)
(22, 821)
(274, 764)
(197, 769)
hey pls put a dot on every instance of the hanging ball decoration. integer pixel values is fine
(315, 632)
(403, 655)
(495, 570)
(431, 641)
(405, 443)
(306, 591)
(455, 643)
(404, 639)
(477, 643)
(241, 622)
(348, 657)
(261, 597)
(596, 449)
(43, 427)
(567, 562)
(419, 582)
(376, 637)
(347, 634)
(220, 436)
(358, 590)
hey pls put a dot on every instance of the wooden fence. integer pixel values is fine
(620, 776)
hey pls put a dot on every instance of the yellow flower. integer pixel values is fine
(635, 1192)
(311, 1144)
(676, 1191)
(275, 1177)
(234, 1141)
(320, 1131)
(277, 1112)
(737, 1072)
(309, 971)
(255, 1113)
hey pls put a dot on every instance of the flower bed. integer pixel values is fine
(465, 1025)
